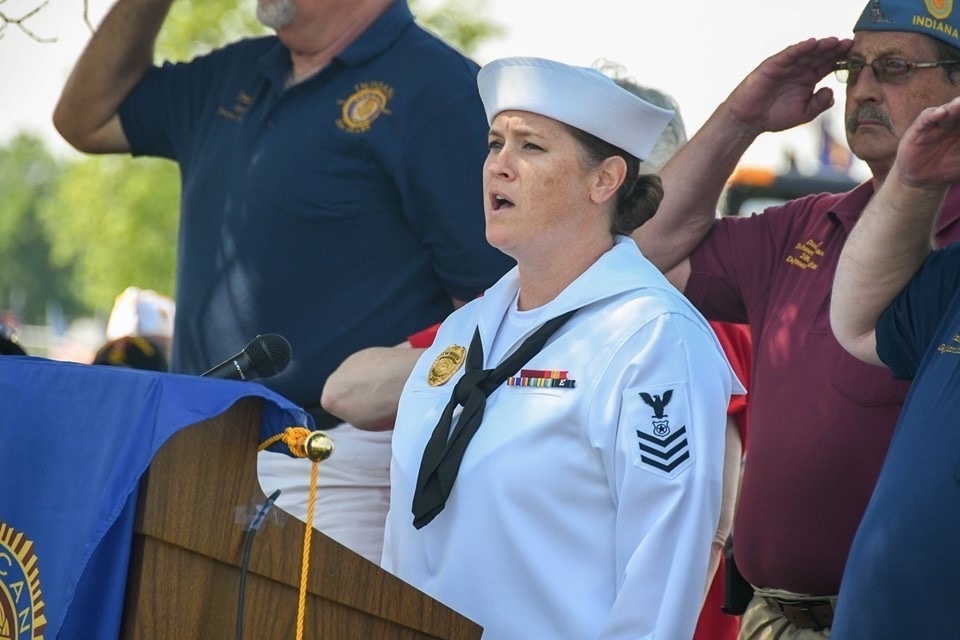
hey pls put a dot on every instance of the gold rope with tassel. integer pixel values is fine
(317, 446)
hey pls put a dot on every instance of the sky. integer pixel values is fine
(697, 51)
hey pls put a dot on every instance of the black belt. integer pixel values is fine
(804, 614)
(323, 419)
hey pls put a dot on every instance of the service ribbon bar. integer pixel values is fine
(542, 378)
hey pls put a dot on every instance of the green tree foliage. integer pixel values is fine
(113, 219)
(29, 280)
(197, 26)
(459, 23)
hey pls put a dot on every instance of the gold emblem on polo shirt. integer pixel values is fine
(365, 105)
(446, 364)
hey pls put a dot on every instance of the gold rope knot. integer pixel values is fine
(303, 443)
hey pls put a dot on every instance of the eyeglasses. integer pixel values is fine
(886, 69)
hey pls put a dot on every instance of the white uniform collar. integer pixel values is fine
(623, 268)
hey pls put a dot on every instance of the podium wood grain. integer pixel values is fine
(187, 549)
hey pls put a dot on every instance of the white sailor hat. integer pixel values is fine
(578, 96)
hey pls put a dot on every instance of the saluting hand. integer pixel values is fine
(929, 152)
(781, 92)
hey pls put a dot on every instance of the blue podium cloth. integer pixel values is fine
(74, 441)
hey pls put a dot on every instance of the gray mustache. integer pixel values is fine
(868, 112)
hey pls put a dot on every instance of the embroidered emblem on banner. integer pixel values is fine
(662, 444)
(21, 609)
(542, 378)
(365, 105)
(446, 364)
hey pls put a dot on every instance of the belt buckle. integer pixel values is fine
(805, 614)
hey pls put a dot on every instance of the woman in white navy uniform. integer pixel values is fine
(585, 502)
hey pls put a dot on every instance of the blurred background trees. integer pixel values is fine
(30, 280)
(76, 232)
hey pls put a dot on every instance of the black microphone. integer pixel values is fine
(265, 356)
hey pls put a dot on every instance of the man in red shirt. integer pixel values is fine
(820, 420)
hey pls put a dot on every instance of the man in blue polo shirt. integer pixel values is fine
(896, 302)
(330, 182)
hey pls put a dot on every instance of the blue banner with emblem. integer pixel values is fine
(74, 442)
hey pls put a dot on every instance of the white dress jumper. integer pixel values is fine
(583, 509)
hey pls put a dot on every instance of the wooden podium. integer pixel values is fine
(185, 566)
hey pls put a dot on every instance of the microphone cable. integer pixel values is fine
(248, 544)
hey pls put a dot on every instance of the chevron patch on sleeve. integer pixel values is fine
(658, 420)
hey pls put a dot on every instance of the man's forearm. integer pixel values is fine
(365, 389)
(693, 181)
(779, 94)
(114, 60)
(894, 235)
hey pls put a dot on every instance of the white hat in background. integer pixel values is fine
(578, 96)
(141, 312)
